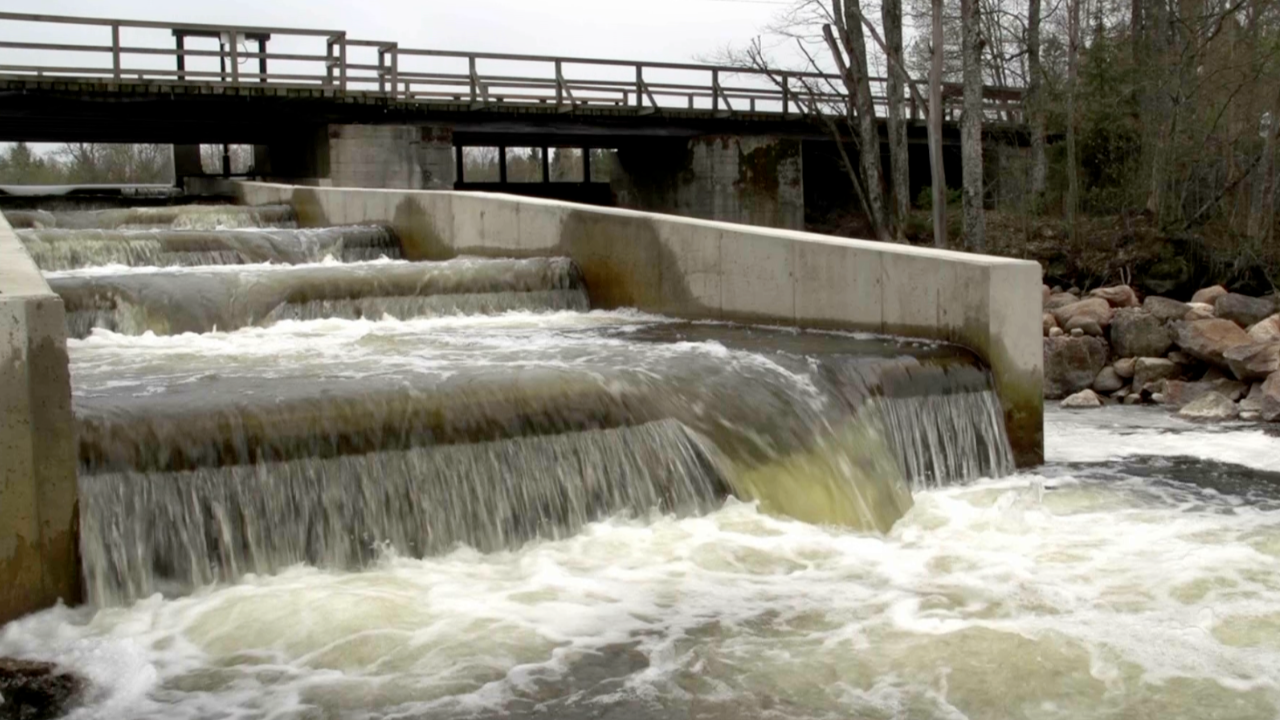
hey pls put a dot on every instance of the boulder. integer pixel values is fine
(1056, 289)
(1207, 340)
(1056, 332)
(1058, 300)
(1149, 370)
(35, 690)
(1049, 323)
(1107, 381)
(1138, 333)
(1210, 406)
(1250, 415)
(1072, 364)
(1119, 296)
(1270, 400)
(1078, 314)
(1179, 393)
(1133, 399)
(1124, 367)
(1181, 358)
(1253, 401)
(1165, 309)
(1199, 311)
(1244, 310)
(1209, 295)
(1084, 326)
(1083, 399)
(1266, 330)
(1254, 361)
(1045, 292)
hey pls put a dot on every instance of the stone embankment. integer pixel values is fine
(1216, 357)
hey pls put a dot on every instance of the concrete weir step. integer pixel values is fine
(58, 249)
(199, 300)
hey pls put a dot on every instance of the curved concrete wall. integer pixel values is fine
(37, 441)
(711, 270)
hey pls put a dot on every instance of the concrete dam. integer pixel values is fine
(330, 378)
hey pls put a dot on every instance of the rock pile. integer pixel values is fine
(1216, 357)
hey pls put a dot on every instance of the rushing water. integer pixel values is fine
(1119, 581)
(73, 249)
(209, 456)
(380, 489)
(174, 300)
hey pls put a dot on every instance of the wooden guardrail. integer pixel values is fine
(136, 51)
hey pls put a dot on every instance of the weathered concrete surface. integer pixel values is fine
(38, 492)
(750, 180)
(702, 269)
(391, 156)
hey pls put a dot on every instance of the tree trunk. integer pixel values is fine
(935, 132)
(1073, 60)
(899, 160)
(1035, 108)
(1159, 116)
(858, 84)
(1262, 215)
(975, 226)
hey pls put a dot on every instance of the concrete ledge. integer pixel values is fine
(38, 491)
(711, 270)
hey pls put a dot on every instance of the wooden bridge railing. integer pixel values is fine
(162, 53)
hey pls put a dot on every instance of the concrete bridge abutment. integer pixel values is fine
(750, 180)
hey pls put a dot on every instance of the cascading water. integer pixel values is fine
(200, 299)
(279, 410)
(370, 489)
(73, 249)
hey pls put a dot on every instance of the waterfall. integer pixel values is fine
(424, 414)
(178, 300)
(73, 249)
(171, 532)
(176, 217)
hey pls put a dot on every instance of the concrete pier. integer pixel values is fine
(38, 492)
(703, 269)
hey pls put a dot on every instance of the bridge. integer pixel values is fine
(322, 107)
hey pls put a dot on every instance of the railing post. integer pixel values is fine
(475, 79)
(115, 50)
(180, 41)
(235, 56)
(715, 90)
(328, 62)
(639, 86)
(786, 96)
(342, 62)
(559, 84)
(382, 72)
(395, 69)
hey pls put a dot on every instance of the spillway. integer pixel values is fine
(357, 486)
(59, 249)
(253, 398)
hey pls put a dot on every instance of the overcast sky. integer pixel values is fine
(672, 30)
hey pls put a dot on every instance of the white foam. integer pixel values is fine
(1117, 432)
(1004, 588)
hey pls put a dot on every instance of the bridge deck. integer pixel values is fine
(353, 80)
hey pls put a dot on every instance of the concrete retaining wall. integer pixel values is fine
(38, 492)
(711, 270)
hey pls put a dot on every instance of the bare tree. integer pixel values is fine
(975, 227)
(935, 131)
(1034, 104)
(899, 159)
(849, 52)
(1073, 162)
